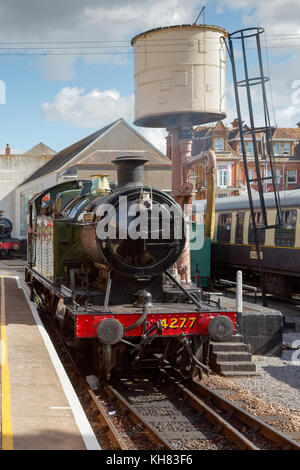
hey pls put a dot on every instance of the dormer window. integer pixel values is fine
(250, 148)
(277, 148)
(219, 145)
(286, 148)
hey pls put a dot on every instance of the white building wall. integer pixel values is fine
(22, 195)
(13, 170)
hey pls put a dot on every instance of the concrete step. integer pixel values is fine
(236, 373)
(235, 356)
(228, 346)
(236, 366)
(233, 339)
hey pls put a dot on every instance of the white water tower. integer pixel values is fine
(180, 83)
(179, 75)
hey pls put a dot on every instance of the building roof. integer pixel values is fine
(40, 149)
(104, 158)
(292, 133)
(287, 133)
(66, 155)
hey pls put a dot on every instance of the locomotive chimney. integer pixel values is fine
(130, 170)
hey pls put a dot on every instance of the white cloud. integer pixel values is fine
(96, 109)
(88, 20)
(280, 20)
(157, 137)
(93, 109)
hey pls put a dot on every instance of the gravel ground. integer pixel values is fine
(279, 379)
(275, 391)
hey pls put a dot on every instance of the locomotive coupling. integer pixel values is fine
(187, 345)
(110, 331)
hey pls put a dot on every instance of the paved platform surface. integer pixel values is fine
(39, 408)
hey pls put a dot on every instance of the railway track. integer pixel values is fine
(163, 412)
(168, 418)
(259, 428)
(214, 419)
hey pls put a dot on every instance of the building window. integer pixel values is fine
(250, 148)
(278, 148)
(219, 144)
(278, 176)
(285, 234)
(251, 174)
(292, 176)
(286, 148)
(224, 176)
(239, 228)
(224, 227)
(261, 232)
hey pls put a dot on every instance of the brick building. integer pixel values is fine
(225, 141)
(286, 148)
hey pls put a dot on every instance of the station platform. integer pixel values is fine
(39, 408)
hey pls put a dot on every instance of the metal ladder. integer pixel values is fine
(241, 37)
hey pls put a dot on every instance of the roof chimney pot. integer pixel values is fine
(7, 150)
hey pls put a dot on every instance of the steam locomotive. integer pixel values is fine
(8, 245)
(100, 264)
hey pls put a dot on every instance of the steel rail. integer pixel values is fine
(108, 426)
(256, 424)
(210, 415)
(154, 435)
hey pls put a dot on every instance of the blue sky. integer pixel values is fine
(58, 99)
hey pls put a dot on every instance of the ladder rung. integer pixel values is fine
(256, 130)
(261, 179)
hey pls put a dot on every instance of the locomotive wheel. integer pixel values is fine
(186, 367)
(103, 360)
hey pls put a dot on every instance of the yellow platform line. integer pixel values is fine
(6, 423)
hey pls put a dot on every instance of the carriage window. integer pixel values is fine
(224, 228)
(285, 235)
(239, 228)
(261, 232)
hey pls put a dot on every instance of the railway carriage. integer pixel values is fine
(111, 295)
(233, 245)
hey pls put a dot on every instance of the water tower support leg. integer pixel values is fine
(181, 151)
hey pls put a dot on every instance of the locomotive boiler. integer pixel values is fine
(100, 263)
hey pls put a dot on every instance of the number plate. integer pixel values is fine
(179, 322)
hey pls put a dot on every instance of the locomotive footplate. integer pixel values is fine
(175, 319)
